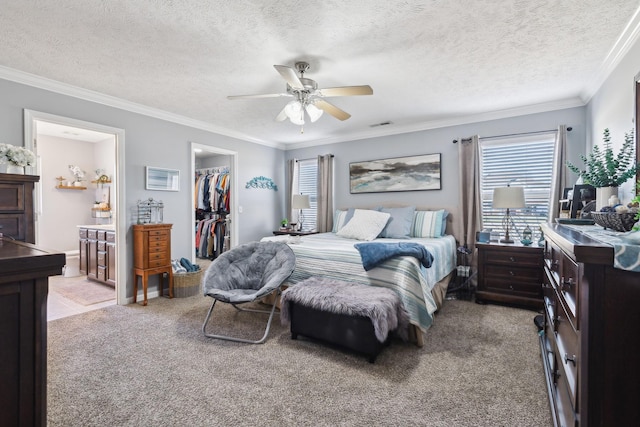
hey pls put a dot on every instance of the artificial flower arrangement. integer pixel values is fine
(17, 156)
(77, 173)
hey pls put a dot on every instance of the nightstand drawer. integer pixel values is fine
(515, 257)
(514, 273)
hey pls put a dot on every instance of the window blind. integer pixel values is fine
(524, 161)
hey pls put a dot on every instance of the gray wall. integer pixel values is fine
(435, 141)
(612, 107)
(154, 142)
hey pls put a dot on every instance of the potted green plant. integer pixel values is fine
(605, 170)
(284, 223)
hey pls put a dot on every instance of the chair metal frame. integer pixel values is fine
(236, 339)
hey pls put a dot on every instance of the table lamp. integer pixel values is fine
(300, 201)
(508, 198)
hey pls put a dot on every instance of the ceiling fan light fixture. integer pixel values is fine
(295, 112)
(314, 112)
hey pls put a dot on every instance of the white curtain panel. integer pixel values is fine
(559, 178)
(325, 193)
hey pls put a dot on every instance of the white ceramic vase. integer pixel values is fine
(603, 194)
(18, 170)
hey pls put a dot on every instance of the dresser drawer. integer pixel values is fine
(553, 257)
(102, 235)
(82, 233)
(92, 234)
(567, 352)
(102, 258)
(153, 244)
(550, 300)
(102, 273)
(102, 246)
(158, 233)
(568, 288)
(111, 237)
(157, 255)
(565, 411)
(158, 263)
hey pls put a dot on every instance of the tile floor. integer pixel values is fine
(59, 306)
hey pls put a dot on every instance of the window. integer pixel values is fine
(525, 161)
(308, 184)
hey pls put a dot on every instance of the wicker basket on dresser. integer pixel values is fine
(591, 338)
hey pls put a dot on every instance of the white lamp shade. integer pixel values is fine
(300, 201)
(314, 112)
(508, 197)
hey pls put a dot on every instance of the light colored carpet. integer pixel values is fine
(133, 365)
(81, 290)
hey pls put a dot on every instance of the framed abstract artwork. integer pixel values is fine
(396, 174)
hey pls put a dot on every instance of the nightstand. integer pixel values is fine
(293, 233)
(510, 274)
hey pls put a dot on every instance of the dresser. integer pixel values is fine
(591, 338)
(152, 255)
(24, 272)
(510, 274)
(98, 253)
(16, 206)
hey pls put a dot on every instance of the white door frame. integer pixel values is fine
(30, 132)
(233, 202)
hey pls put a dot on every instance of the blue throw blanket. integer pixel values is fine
(375, 253)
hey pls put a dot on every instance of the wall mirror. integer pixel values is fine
(163, 179)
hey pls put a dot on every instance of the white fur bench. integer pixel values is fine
(351, 315)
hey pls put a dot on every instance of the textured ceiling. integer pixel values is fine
(427, 61)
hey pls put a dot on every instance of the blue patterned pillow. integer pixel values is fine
(427, 223)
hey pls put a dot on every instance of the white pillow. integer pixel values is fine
(365, 225)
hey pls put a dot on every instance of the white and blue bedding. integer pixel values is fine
(327, 255)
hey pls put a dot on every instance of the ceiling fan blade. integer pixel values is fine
(346, 91)
(290, 76)
(331, 109)
(282, 116)
(265, 95)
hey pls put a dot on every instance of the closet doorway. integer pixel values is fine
(206, 156)
(102, 147)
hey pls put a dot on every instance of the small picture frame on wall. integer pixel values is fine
(162, 179)
(411, 173)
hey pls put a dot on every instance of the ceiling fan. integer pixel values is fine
(307, 96)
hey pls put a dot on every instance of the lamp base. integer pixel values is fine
(505, 240)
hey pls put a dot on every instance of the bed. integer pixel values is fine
(421, 289)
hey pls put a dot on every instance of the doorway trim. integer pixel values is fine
(30, 133)
(233, 203)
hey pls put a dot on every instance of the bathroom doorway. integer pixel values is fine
(64, 200)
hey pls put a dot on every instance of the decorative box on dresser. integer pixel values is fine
(509, 273)
(151, 255)
(16, 206)
(591, 338)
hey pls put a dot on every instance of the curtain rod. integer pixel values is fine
(569, 129)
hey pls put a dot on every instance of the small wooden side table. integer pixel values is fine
(151, 255)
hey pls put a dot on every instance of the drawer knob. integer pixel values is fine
(511, 273)
(571, 359)
(566, 284)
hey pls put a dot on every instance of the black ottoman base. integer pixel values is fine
(355, 333)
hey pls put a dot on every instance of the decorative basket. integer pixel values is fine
(187, 284)
(614, 221)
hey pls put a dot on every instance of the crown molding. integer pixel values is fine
(111, 101)
(625, 41)
(436, 124)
